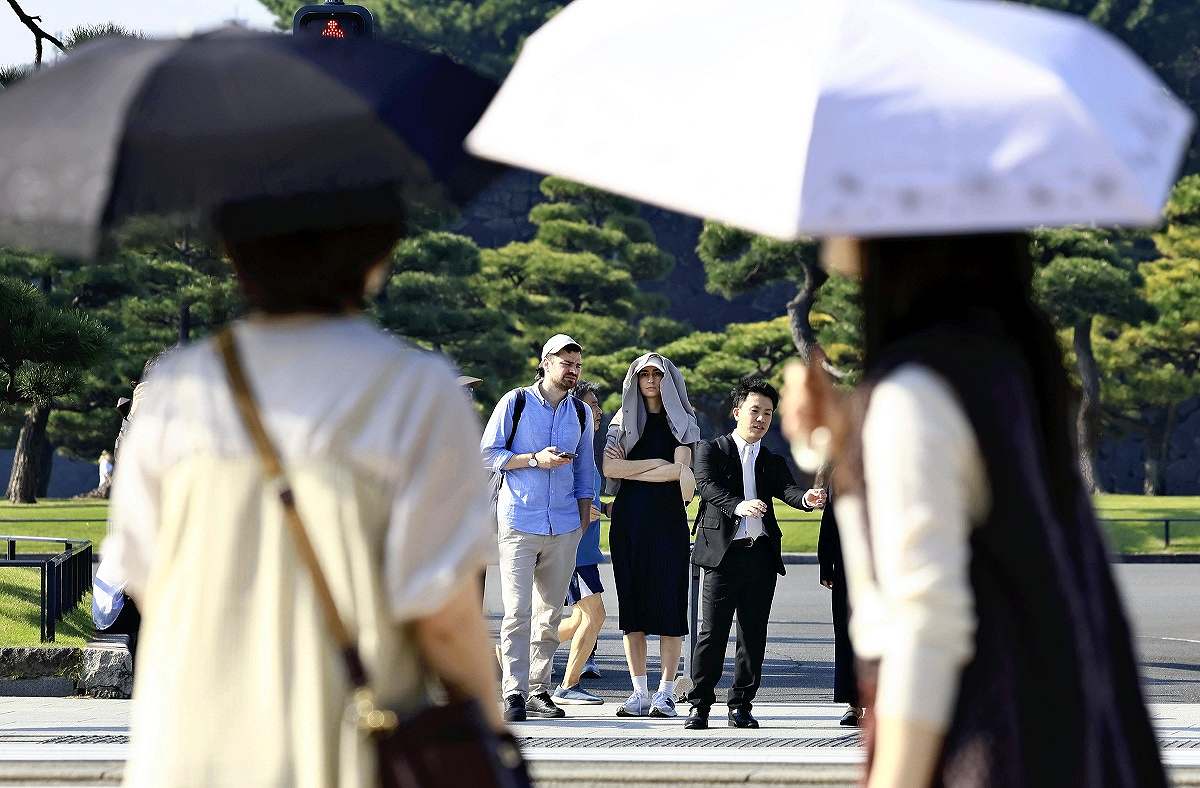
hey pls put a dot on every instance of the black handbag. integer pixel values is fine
(441, 746)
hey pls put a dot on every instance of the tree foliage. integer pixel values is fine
(580, 272)
(436, 298)
(43, 350)
(1149, 369)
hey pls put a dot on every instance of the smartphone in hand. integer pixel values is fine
(567, 455)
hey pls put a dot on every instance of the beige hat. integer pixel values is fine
(557, 343)
(468, 381)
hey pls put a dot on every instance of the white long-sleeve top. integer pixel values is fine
(910, 594)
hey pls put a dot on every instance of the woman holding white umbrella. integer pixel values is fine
(996, 649)
(984, 609)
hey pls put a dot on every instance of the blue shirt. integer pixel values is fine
(532, 500)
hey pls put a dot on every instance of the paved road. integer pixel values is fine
(1163, 600)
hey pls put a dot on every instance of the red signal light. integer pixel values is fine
(332, 30)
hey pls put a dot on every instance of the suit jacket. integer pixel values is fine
(719, 480)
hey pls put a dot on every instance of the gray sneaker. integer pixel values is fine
(576, 696)
(637, 705)
(663, 705)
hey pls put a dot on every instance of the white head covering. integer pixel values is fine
(627, 425)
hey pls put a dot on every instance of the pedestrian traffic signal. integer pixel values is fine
(333, 20)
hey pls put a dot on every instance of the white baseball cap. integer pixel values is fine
(557, 343)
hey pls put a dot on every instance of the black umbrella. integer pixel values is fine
(317, 132)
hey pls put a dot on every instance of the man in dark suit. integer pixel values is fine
(738, 543)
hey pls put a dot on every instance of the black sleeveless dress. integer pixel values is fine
(649, 542)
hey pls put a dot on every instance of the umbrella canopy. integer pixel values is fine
(126, 127)
(843, 117)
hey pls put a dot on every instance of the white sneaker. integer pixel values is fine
(637, 705)
(663, 705)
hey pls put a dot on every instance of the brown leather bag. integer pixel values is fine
(444, 746)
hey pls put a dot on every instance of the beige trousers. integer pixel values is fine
(535, 571)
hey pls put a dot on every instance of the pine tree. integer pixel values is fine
(44, 352)
(1085, 274)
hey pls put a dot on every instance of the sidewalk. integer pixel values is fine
(76, 741)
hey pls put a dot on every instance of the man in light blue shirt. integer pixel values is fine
(545, 502)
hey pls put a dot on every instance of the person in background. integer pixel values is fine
(105, 467)
(468, 384)
(544, 504)
(993, 648)
(239, 680)
(739, 543)
(647, 460)
(584, 595)
(833, 577)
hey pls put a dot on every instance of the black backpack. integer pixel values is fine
(497, 477)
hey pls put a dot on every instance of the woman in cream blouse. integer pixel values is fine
(990, 634)
(238, 680)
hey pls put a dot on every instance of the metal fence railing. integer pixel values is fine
(65, 576)
(1165, 522)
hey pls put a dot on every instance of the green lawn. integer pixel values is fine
(1119, 513)
(55, 518)
(800, 529)
(19, 590)
(19, 586)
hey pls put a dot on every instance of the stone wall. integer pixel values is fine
(100, 672)
(68, 476)
(1119, 460)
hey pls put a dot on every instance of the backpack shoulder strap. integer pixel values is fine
(579, 412)
(518, 406)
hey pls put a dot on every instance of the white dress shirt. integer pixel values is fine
(748, 527)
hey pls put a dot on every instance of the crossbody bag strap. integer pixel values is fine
(268, 455)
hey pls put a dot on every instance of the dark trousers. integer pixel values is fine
(845, 681)
(744, 584)
(128, 622)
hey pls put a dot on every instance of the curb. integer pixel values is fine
(1156, 558)
(550, 775)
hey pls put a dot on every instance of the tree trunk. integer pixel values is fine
(22, 482)
(1158, 442)
(185, 323)
(1087, 419)
(799, 308)
(45, 466)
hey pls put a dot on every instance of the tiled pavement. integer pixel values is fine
(80, 729)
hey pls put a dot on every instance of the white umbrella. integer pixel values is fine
(843, 117)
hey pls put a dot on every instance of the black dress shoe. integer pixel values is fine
(697, 719)
(514, 708)
(542, 707)
(849, 719)
(741, 718)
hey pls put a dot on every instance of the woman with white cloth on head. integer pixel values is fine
(647, 460)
